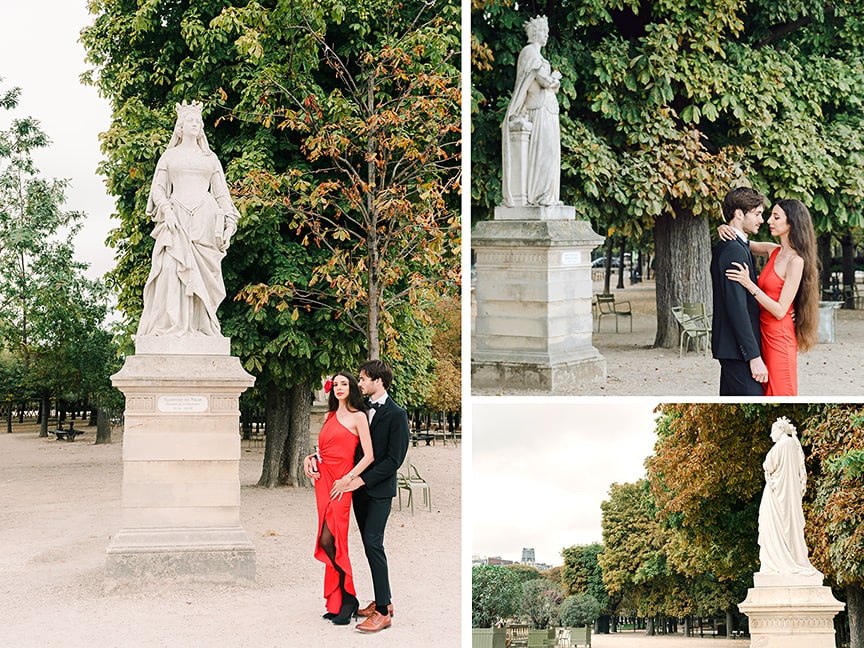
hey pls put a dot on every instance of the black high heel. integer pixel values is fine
(328, 615)
(349, 608)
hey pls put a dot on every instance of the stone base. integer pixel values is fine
(182, 345)
(529, 377)
(533, 323)
(790, 616)
(535, 212)
(180, 517)
(816, 579)
(150, 558)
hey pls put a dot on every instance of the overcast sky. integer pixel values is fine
(541, 468)
(39, 53)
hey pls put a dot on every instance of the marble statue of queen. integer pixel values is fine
(534, 107)
(782, 549)
(195, 220)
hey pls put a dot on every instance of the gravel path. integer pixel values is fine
(61, 504)
(633, 368)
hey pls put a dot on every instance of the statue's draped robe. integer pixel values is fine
(540, 107)
(185, 285)
(782, 549)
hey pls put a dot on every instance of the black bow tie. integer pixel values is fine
(375, 406)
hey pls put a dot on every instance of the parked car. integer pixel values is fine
(601, 262)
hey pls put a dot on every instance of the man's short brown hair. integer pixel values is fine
(743, 198)
(376, 369)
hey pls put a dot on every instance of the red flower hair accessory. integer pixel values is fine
(328, 385)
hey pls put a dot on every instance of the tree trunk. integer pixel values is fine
(373, 289)
(607, 267)
(298, 440)
(847, 266)
(682, 270)
(103, 427)
(372, 340)
(246, 423)
(729, 620)
(9, 418)
(855, 611)
(287, 439)
(45, 413)
(620, 285)
(278, 426)
(823, 244)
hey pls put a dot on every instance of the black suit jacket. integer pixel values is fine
(735, 324)
(390, 435)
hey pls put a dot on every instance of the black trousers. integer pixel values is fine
(371, 514)
(737, 380)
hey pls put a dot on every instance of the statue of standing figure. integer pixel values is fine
(532, 176)
(195, 220)
(782, 549)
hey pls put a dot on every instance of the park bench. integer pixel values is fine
(422, 436)
(67, 435)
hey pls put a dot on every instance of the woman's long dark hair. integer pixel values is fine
(355, 398)
(803, 239)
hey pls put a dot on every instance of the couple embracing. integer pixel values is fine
(760, 324)
(360, 448)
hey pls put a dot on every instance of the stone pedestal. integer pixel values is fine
(181, 466)
(790, 612)
(533, 322)
(520, 135)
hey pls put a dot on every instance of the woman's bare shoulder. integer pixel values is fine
(359, 415)
(797, 262)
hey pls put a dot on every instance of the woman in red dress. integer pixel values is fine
(787, 292)
(332, 470)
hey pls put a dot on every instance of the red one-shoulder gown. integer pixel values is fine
(336, 446)
(779, 345)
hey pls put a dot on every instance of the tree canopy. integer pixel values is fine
(706, 479)
(582, 573)
(51, 316)
(338, 127)
(666, 105)
(495, 593)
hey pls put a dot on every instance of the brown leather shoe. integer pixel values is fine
(369, 610)
(374, 623)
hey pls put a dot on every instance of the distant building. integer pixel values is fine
(527, 559)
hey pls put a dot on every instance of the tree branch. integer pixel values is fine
(779, 31)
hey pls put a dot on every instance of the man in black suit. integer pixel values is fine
(735, 338)
(375, 488)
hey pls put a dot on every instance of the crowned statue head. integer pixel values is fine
(782, 427)
(189, 112)
(537, 30)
